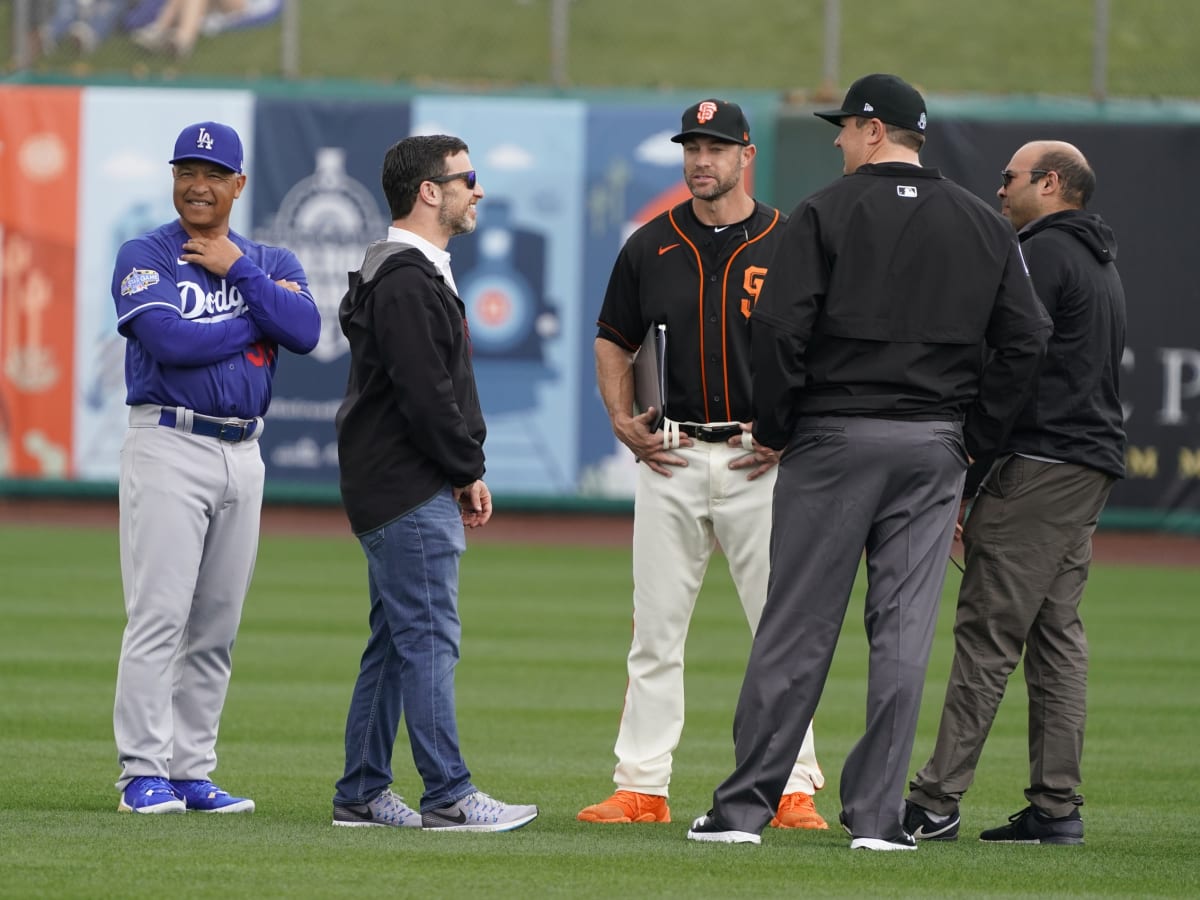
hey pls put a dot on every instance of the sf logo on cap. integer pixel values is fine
(706, 112)
(204, 140)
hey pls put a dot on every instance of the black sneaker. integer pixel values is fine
(708, 830)
(1032, 826)
(925, 825)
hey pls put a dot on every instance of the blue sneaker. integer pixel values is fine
(204, 796)
(148, 794)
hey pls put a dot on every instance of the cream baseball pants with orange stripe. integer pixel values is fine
(677, 523)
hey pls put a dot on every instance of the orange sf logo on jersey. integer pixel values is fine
(752, 280)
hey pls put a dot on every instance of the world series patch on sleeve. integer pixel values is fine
(137, 281)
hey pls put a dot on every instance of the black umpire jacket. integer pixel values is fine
(888, 290)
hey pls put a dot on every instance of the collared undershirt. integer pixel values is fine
(436, 255)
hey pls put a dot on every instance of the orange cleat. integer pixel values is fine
(628, 806)
(797, 811)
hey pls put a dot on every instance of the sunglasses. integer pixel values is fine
(467, 176)
(1008, 174)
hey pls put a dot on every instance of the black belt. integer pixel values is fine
(710, 434)
(209, 426)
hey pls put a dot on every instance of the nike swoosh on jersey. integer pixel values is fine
(662, 250)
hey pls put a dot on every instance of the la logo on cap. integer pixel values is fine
(205, 140)
(706, 112)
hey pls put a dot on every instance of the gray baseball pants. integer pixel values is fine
(845, 485)
(189, 520)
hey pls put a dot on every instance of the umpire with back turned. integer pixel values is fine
(868, 344)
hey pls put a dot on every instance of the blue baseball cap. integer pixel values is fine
(211, 142)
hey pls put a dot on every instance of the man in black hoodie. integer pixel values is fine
(410, 449)
(1028, 540)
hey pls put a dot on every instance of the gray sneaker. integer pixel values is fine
(386, 810)
(478, 812)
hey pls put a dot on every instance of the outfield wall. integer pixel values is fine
(567, 178)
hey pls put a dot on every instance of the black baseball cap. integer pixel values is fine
(715, 118)
(888, 98)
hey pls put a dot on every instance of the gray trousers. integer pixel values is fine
(189, 519)
(1028, 544)
(890, 487)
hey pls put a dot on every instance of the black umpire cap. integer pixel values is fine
(888, 98)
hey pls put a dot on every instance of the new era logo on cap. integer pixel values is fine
(211, 142)
(885, 97)
(715, 118)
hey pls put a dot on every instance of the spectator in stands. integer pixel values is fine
(83, 24)
(177, 26)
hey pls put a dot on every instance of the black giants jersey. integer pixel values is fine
(703, 284)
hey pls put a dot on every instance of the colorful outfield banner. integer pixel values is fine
(126, 137)
(519, 277)
(634, 172)
(566, 181)
(320, 197)
(38, 213)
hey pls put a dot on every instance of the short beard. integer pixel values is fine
(721, 188)
(462, 224)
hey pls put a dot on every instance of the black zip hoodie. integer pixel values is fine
(410, 422)
(1074, 413)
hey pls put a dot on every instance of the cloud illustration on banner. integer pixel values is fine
(659, 150)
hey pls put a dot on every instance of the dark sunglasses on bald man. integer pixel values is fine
(1009, 174)
(467, 176)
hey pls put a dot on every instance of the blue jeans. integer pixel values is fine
(408, 665)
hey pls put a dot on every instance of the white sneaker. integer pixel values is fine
(867, 843)
(478, 812)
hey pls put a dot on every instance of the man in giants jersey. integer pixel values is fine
(696, 269)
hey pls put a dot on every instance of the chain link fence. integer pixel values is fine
(801, 48)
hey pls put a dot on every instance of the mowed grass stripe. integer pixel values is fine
(546, 630)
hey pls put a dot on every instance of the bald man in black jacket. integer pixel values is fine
(1028, 540)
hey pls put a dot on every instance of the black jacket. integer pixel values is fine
(410, 422)
(887, 290)
(1074, 413)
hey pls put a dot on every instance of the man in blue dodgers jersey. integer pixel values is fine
(204, 311)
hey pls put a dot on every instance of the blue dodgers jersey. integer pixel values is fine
(212, 379)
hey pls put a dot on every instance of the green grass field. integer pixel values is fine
(539, 687)
(943, 46)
